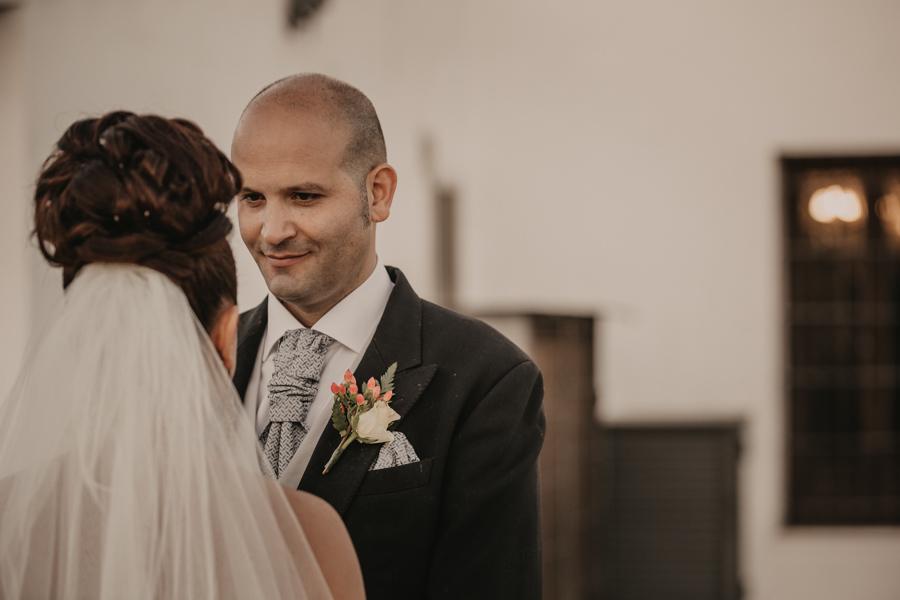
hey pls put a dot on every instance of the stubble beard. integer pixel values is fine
(328, 279)
(364, 202)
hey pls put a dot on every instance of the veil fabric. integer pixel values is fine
(127, 467)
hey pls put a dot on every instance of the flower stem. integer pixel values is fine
(340, 450)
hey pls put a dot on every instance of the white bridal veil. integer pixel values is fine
(127, 468)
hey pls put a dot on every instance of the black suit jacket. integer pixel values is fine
(465, 521)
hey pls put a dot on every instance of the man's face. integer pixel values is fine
(299, 213)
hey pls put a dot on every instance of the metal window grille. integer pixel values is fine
(842, 253)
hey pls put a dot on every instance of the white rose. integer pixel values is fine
(372, 424)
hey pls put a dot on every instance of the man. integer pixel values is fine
(450, 509)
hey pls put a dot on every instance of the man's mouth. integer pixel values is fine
(284, 260)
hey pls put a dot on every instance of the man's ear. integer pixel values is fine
(224, 337)
(380, 185)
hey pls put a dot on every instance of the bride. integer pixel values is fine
(127, 467)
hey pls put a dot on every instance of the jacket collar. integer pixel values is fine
(398, 338)
(251, 327)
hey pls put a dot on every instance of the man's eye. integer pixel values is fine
(251, 198)
(304, 196)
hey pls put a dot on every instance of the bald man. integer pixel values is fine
(449, 509)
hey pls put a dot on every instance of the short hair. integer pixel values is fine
(146, 190)
(366, 148)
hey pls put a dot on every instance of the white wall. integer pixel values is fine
(616, 156)
(15, 313)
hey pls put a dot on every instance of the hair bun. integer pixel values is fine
(128, 188)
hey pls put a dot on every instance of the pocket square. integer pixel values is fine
(399, 452)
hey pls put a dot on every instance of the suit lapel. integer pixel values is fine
(251, 327)
(398, 338)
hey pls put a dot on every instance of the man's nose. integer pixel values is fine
(278, 225)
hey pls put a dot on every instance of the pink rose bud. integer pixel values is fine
(342, 389)
(353, 389)
(348, 376)
(388, 396)
(377, 391)
(334, 388)
(360, 399)
(371, 383)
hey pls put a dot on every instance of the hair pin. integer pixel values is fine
(121, 165)
(146, 213)
(116, 218)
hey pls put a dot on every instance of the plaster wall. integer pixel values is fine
(15, 252)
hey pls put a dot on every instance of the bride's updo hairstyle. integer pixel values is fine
(146, 190)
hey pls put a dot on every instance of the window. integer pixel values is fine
(842, 226)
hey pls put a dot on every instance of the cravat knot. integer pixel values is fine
(292, 389)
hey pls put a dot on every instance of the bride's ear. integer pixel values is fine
(224, 337)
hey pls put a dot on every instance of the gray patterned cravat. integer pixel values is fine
(295, 381)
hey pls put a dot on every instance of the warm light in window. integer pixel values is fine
(888, 208)
(835, 203)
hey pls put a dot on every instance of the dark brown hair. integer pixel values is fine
(146, 190)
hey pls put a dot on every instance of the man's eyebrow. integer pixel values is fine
(305, 188)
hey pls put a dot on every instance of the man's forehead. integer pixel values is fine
(278, 122)
(284, 175)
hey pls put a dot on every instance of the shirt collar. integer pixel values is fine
(350, 321)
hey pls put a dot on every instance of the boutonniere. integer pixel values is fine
(362, 414)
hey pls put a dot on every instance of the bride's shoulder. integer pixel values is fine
(315, 514)
(308, 502)
(328, 538)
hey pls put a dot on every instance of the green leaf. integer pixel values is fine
(338, 418)
(387, 380)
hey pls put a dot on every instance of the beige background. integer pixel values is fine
(616, 157)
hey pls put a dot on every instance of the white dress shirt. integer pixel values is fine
(351, 323)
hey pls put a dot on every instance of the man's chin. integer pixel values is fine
(286, 291)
